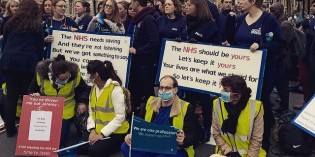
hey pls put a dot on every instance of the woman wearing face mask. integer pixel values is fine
(107, 111)
(107, 20)
(168, 109)
(58, 77)
(83, 17)
(237, 120)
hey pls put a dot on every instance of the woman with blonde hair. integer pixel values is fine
(107, 20)
(11, 7)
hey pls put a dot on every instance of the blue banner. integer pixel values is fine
(149, 137)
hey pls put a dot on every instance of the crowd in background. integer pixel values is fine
(26, 26)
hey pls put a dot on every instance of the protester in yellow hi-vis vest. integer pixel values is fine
(61, 78)
(168, 109)
(238, 123)
(107, 111)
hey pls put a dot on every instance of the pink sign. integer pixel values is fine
(40, 126)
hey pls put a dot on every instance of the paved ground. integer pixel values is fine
(7, 145)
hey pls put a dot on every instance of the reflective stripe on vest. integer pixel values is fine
(103, 110)
(178, 121)
(241, 140)
(67, 91)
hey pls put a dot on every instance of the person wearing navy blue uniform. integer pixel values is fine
(172, 24)
(225, 11)
(145, 53)
(214, 12)
(258, 30)
(201, 27)
(22, 50)
(57, 21)
(83, 17)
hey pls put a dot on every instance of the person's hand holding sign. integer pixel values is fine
(128, 139)
(132, 50)
(36, 95)
(254, 47)
(180, 137)
(49, 39)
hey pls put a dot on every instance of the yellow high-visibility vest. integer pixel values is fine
(19, 103)
(67, 91)
(241, 140)
(103, 110)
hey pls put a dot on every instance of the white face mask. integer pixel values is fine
(90, 79)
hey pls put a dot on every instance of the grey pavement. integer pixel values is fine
(7, 145)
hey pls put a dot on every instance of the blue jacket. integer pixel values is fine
(223, 27)
(214, 12)
(22, 51)
(274, 46)
(66, 24)
(172, 28)
(202, 31)
(269, 24)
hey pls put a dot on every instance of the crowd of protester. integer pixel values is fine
(25, 26)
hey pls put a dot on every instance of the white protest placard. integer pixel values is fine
(40, 126)
(83, 47)
(305, 119)
(200, 67)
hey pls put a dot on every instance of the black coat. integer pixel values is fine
(146, 38)
(22, 51)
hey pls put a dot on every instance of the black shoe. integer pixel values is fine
(11, 132)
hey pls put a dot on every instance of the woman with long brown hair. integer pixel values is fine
(22, 50)
(107, 20)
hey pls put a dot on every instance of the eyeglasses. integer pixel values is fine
(165, 88)
(47, 5)
(61, 6)
(108, 6)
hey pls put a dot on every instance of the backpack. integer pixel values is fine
(127, 100)
(300, 44)
(291, 139)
